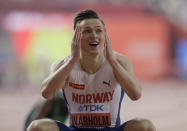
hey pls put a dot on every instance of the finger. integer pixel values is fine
(106, 38)
(80, 37)
(76, 37)
(75, 33)
(80, 41)
(106, 35)
(77, 42)
(105, 49)
(108, 43)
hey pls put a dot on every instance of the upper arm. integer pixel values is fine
(56, 65)
(125, 63)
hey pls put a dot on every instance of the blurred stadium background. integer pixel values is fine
(151, 33)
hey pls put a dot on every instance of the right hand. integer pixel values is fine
(76, 44)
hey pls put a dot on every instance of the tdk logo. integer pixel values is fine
(90, 108)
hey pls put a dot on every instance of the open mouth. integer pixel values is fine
(94, 44)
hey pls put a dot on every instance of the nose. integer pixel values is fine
(93, 35)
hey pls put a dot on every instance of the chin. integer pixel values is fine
(93, 52)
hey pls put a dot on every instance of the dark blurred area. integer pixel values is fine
(35, 33)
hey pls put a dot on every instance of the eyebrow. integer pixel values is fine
(94, 26)
(97, 26)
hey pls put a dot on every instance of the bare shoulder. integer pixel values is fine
(120, 56)
(123, 60)
(57, 64)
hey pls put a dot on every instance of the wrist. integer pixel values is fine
(73, 59)
(113, 62)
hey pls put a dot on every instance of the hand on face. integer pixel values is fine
(108, 48)
(76, 44)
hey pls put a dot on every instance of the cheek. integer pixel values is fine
(84, 39)
(102, 39)
(83, 43)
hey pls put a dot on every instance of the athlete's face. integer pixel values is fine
(93, 36)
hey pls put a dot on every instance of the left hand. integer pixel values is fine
(109, 54)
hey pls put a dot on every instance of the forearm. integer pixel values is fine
(127, 81)
(56, 80)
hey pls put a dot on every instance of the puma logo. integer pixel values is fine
(107, 83)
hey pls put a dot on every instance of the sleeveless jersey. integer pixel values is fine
(93, 100)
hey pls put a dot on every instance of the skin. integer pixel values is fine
(91, 57)
(87, 32)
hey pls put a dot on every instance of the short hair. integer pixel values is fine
(86, 14)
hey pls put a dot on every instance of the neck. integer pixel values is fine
(91, 63)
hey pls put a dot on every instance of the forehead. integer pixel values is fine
(92, 23)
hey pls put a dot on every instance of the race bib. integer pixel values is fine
(90, 119)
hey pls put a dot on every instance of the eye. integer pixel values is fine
(87, 31)
(99, 31)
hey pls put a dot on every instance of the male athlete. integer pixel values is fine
(93, 81)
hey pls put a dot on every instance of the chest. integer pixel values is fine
(101, 81)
